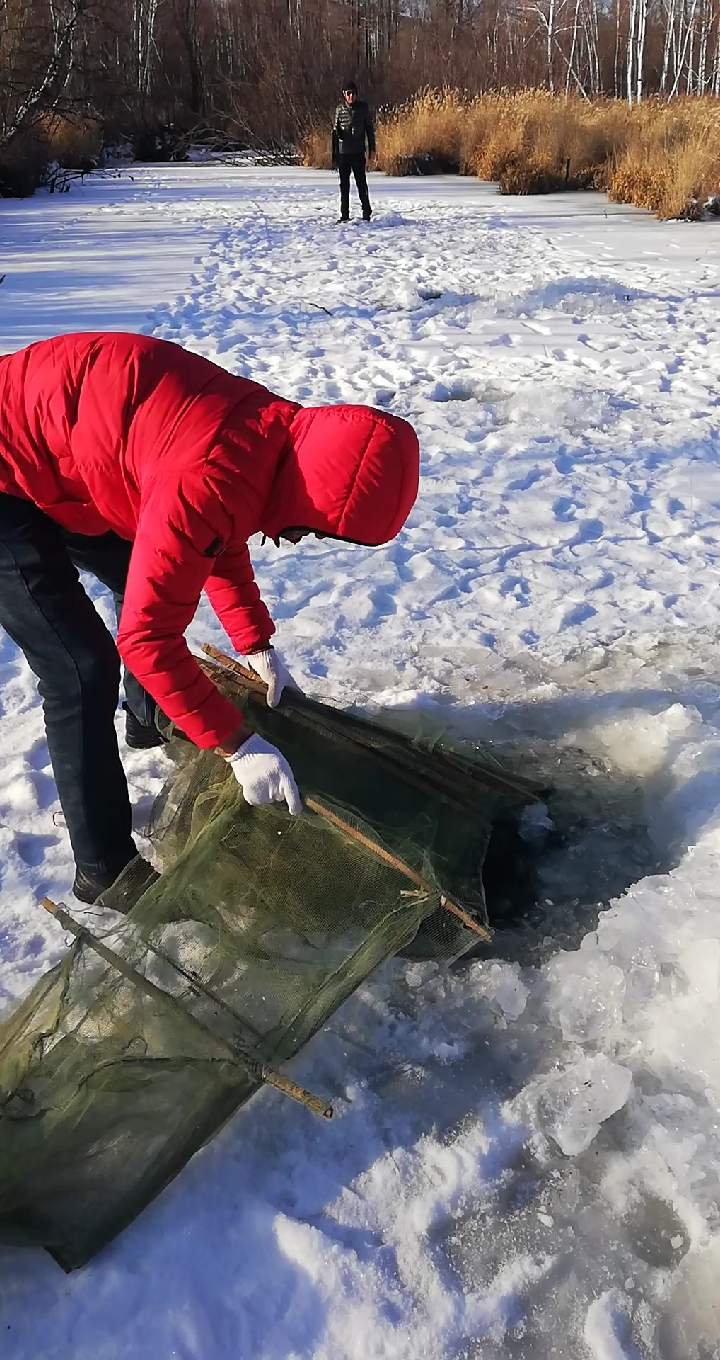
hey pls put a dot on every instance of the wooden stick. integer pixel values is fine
(380, 853)
(257, 1069)
(248, 677)
(448, 905)
(446, 902)
(305, 711)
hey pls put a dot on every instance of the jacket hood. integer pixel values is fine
(348, 471)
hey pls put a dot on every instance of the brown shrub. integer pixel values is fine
(425, 133)
(670, 163)
(23, 162)
(75, 143)
(543, 143)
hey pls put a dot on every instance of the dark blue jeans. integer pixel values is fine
(45, 610)
(355, 165)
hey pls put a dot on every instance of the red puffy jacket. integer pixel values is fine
(134, 434)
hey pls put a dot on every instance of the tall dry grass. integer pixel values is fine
(665, 157)
(670, 161)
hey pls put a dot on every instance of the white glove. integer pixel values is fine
(264, 775)
(272, 669)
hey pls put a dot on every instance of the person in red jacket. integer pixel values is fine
(151, 467)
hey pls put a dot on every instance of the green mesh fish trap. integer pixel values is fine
(180, 997)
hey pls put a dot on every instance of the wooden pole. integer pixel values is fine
(445, 902)
(235, 1052)
(253, 682)
(248, 677)
(302, 709)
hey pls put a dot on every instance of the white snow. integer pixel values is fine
(524, 1157)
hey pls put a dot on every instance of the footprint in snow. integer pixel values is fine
(534, 475)
(580, 613)
(564, 509)
(589, 531)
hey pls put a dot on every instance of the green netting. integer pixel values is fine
(258, 927)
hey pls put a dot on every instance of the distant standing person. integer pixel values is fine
(352, 126)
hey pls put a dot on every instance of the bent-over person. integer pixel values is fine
(150, 467)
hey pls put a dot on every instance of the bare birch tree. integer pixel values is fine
(41, 60)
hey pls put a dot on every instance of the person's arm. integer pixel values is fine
(370, 133)
(335, 142)
(172, 557)
(233, 593)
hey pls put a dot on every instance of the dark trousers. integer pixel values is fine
(45, 610)
(355, 165)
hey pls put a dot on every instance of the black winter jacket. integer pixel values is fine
(351, 126)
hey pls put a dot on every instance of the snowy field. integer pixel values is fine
(524, 1159)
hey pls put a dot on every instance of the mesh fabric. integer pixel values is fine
(257, 929)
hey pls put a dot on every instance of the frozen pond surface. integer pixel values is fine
(524, 1162)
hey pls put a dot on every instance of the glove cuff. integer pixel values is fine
(251, 746)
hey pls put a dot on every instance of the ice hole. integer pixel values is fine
(547, 881)
(549, 872)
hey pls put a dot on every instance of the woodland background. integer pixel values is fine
(264, 71)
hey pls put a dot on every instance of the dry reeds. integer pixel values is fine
(670, 162)
(657, 155)
(316, 148)
(429, 135)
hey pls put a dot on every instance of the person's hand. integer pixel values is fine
(264, 775)
(272, 669)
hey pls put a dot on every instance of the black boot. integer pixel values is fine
(88, 887)
(141, 736)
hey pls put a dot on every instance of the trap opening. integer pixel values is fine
(547, 878)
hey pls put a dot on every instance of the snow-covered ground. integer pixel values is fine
(524, 1161)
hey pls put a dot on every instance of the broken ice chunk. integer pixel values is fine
(573, 1104)
(502, 985)
(585, 995)
(535, 824)
(700, 961)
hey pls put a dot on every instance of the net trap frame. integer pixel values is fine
(185, 991)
